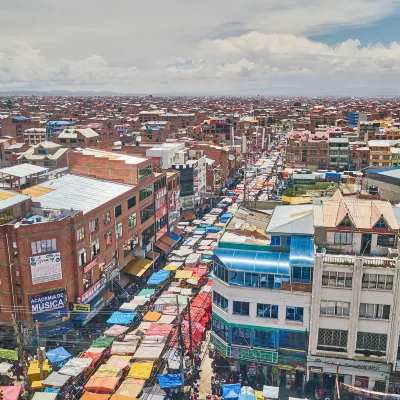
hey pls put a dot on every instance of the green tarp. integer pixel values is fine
(9, 354)
(103, 342)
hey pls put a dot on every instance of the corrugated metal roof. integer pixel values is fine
(9, 199)
(79, 192)
(22, 170)
(290, 220)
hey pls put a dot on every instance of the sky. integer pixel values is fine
(225, 47)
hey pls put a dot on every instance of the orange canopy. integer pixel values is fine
(94, 396)
(102, 384)
(152, 316)
(117, 396)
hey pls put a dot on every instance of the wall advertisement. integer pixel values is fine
(46, 268)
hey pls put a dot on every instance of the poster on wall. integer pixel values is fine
(46, 268)
(48, 307)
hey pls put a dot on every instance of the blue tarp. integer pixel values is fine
(262, 262)
(225, 216)
(158, 277)
(213, 229)
(170, 380)
(222, 205)
(175, 237)
(199, 231)
(120, 318)
(301, 251)
(58, 355)
(231, 391)
(51, 390)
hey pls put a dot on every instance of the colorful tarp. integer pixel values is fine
(108, 370)
(140, 370)
(94, 356)
(94, 396)
(170, 380)
(152, 316)
(119, 318)
(9, 354)
(116, 330)
(131, 387)
(102, 384)
(159, 329)
(158, 277)
(58, 355)
(102, 342)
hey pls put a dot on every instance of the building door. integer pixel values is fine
(366, 243)
(361, 381)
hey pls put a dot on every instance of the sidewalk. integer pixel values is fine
(206, 371)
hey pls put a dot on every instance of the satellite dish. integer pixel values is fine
(17, 225)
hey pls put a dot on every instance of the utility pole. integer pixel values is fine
(20, 349)
(190, 332)
(39, 352)
(180, 338)
(336, 394)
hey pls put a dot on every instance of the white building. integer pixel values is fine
(354, 320)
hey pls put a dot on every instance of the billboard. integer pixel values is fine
(48, 307)
(46, 268)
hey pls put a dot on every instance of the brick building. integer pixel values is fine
(16, 125)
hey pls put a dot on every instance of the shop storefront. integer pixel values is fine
(363, 374)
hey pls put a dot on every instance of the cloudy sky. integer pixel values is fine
(267, 47)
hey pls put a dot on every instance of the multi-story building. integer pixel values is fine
(34, 135)
(304, 148)
(354, 312)
(353, 117)
(339, 154)
(380, 154)
(367, 126)
(359, 156)
(395, 156)
(78, 137)
(16, 125)
(62, 242)
(57, 126)
(262, 298)
(45, 154)
(217, 130)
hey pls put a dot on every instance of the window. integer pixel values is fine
(146, 213)
(131, 202)
(332, 338)
(107, 218)
(275, 240)
(371, 341)
(266, 339)
(130, 244)
(293, 340)
(241, 336)
(82, 258)
(95, 248)
(220, 329)
(301, 274)
(80, 234)
(288, 241)
(145, 192)
(160, 184)
(145, 171)
(267, 311)
(6, 215)
(108, 239)
(132, 220)
(240, 308)
(376, 311)
(221, 272)
(118, 210)
(118, 231)
(294, 313)
(43, 246)
(237, 278)
(94, 225)
(346, 222)
(252, 280)
(147, 235)
(374, 281)
(271, 281)
(220, 301)
(343, 238)
(381, 224)
(339, 308)
(337, 279)
(386, 241)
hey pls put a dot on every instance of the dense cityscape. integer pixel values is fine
(199, 247)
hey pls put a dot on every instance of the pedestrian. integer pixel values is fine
(195, 387)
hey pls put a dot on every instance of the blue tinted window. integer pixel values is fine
(220, 329)
(288, 240)
(301, 274)
(241, 336)
(240, 308)
(294, 313)
(265, 339)
(275, 240)
(252, 279)
(237, 278)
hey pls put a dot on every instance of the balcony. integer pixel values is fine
(382, 262)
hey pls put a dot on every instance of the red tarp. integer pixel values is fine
(196, 314)
(156, 329)
(94, 356)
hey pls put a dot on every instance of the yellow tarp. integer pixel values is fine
(140, 370)
(170, 267)
(117, 396)
(183, 274)
(131, 387)
(37, 191)
(108, 370)
(138, 266)
(259, 394)
(35, 385)
(296, 200)
(34, 372)
(152, 316)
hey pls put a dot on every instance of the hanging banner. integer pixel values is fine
(46, 268)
